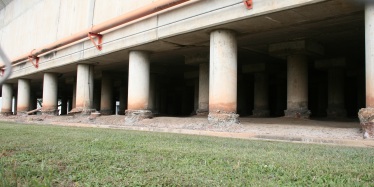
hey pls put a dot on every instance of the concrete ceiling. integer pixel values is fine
(336, 24)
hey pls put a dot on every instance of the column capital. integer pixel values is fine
(196, 59)
(331, 63)
(300, 47)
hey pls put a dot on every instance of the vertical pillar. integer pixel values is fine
(64, 105)
(106, 102)
(50, 85)
(138, 87)
(261, 98)
(223, 77)
(84, 89)
(336, 106)
(203, 89)
(152, 93)
(74, 99)
(7, 97)
(23, 96)
(297, 87)
(366, 115)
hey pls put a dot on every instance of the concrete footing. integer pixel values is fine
(366, 116)
(223, 118)
(132, 116)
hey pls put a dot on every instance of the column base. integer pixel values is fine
(6, 113)
(82, 111)
(22, 113)
(366, 116)
(297, 113)
(50, 112)
(260, 113)
(336, 112)
(106, 112)
(132, 116)
(202, 112)
(223, 118)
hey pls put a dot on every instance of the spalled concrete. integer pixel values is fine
(223, 77)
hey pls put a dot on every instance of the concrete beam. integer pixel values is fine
(304, 47)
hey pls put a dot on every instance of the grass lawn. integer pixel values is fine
(36, 155)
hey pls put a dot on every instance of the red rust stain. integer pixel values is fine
(223, 107)
(369, 101)
(137, 106)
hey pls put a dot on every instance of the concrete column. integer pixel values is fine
(106, 102)
(297, 87)
(223, 77)
(366, 115)
(152, 93)
(122, 100)
(7, 96)
(23, 96)
(138, 87)
(84, 89)
(336, 106)
(261, 98)
(64, 105)
(203, 89)
(50, 86)
(74, 99)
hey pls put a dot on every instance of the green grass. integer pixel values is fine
(35, 155)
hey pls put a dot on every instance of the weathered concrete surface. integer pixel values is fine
(366, 115)
(261, 96)
(297, 87)
(50, 86)
(23, 96)
(203, 108)
(84, 89)
(139, 84)
(7, 96)
(179, 21)
(336, 104)
(223, 77)
(106, 100)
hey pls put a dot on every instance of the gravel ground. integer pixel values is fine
(282, 127)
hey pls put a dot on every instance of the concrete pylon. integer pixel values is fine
(336, 73)
(50, 86)
(23, 96)
(138, 87)
(296, 53)
(202, 87)
(84, 90)
(366, 115)
(261, 98)
(336, 104)
(223, 78)
(297, 87)
(7, 96)
(106, 101)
